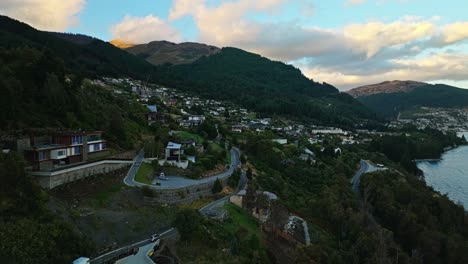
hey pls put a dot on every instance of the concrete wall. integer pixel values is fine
(50, 180)
(187, 194)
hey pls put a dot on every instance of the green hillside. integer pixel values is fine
(245, 78)
(263, 85)
(438, 95)
(91, 57)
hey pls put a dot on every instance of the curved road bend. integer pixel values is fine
(144, 245)
(218, 203)
(365, 167)
(175, 182)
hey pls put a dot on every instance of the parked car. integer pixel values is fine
(162, 176)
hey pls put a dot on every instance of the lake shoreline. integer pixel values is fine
(449, 174)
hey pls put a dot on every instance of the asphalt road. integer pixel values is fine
(366, 167)
(130, 178)
(174, 182)
(218, 203)
(144, 245)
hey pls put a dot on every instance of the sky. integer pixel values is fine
(347, 43)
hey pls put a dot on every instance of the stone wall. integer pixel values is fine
(185, 195)
(52, 179)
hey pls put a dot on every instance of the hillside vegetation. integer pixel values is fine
(37, 92)
(385, 87)
(80, 53)
(263, 85)
(165, 52)
(437, 95)
(232, 74)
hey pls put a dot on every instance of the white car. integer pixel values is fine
(162, 176)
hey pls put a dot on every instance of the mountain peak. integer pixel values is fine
(162, 52)
(395, 86)
(122, 44)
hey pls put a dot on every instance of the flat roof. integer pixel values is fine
(172, 145)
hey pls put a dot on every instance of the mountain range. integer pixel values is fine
(252, 81)
(390, 98)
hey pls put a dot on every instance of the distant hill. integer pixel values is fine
(437, 95)
(162, 52)
(80, 53)
(263, 85)
(385, 87)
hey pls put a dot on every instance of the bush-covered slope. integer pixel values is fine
(263, 85)
(90, 57)
(232, 74)
(36, 91)
(438, 95)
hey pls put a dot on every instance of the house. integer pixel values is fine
(187, 143)
(192, 120)
(196, 119)
(280, 141)
(152, 108)
(237, 128)
(65, 148)
(173, 151)
(153, 112)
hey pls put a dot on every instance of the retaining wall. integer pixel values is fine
(184, 195)
(52, 179)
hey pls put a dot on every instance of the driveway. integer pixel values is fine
(175, 182)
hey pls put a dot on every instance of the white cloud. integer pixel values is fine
(144, 29)
(356, 54)
(455, 32)
(371, 37)
(52, 15)
(428, 69)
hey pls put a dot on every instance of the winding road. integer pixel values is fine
(219, 203)
(365, 167)
(144, 245)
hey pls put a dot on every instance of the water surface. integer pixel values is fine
(449, 175)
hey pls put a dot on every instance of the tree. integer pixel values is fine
(189, 224)
(217, 187)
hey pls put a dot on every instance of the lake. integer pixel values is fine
(450, 174)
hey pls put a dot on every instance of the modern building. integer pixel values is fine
(65, 148)
(173, 151)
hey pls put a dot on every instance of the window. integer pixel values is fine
(42, 155)
(77, 140)
(61, 153)
(94, 138)
(104, 146)
(76, 150)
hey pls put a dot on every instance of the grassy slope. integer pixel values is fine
(144, 172)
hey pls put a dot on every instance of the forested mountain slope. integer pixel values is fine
(162, 52)
(263, 85)
(430, 95)
(89, 56)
